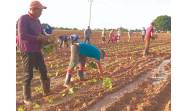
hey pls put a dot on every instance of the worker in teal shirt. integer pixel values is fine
(89, 51)
(79, 53)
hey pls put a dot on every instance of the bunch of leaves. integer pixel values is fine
(36, 106)
(51, 74)
(49, 100)
(21, 108)
(72, 90)
(92, 81)
(107, 83)
(38, 89)
(63, 93)
(49, 48)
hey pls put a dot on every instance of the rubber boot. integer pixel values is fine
(80, 75)
(67, 80)
(27, 95)
(46, 86)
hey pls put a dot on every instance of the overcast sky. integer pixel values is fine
(105, 13)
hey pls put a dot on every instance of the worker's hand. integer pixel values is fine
(39, 38)
(43, 39)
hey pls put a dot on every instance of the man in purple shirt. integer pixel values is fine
(30, 39)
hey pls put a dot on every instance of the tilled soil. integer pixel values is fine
(138, 83)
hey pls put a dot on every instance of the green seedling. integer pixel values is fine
(38, 89)
(107, 83)
(21, 108)
(48, 48)
(63, 93)
(92, 65)
(36, 106)
(92, 81)
(50, 101)
(72, 90)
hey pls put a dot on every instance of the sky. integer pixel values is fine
(130, 14)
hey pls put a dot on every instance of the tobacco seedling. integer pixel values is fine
(21, 108)
(107, 83)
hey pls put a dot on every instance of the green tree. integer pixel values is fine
(162, 23)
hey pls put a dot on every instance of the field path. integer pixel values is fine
(112, 98)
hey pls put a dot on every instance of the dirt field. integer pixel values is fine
(137, 83)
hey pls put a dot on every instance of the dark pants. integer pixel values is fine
(143, 36)
(87, 40)
(76, 59)
(31, 60)
(63, 42)
(110, 40)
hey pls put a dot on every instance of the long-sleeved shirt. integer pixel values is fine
(28, 30)
(103, 33)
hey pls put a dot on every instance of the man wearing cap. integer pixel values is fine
(31, 37)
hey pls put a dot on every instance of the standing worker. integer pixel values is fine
(143, 33)
(118, 35)
(148, 36)
(111, 36)
(129, 35)
(31, 37)
(87, 35)
(103, 35)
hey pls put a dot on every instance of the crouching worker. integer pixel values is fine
(79, 53)
(63, 39)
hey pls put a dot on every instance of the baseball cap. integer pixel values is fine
(37, 4)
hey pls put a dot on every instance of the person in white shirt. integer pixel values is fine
(118, 34)
(143, 33)
(103, 35)
(111, 36)
(129, 35)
